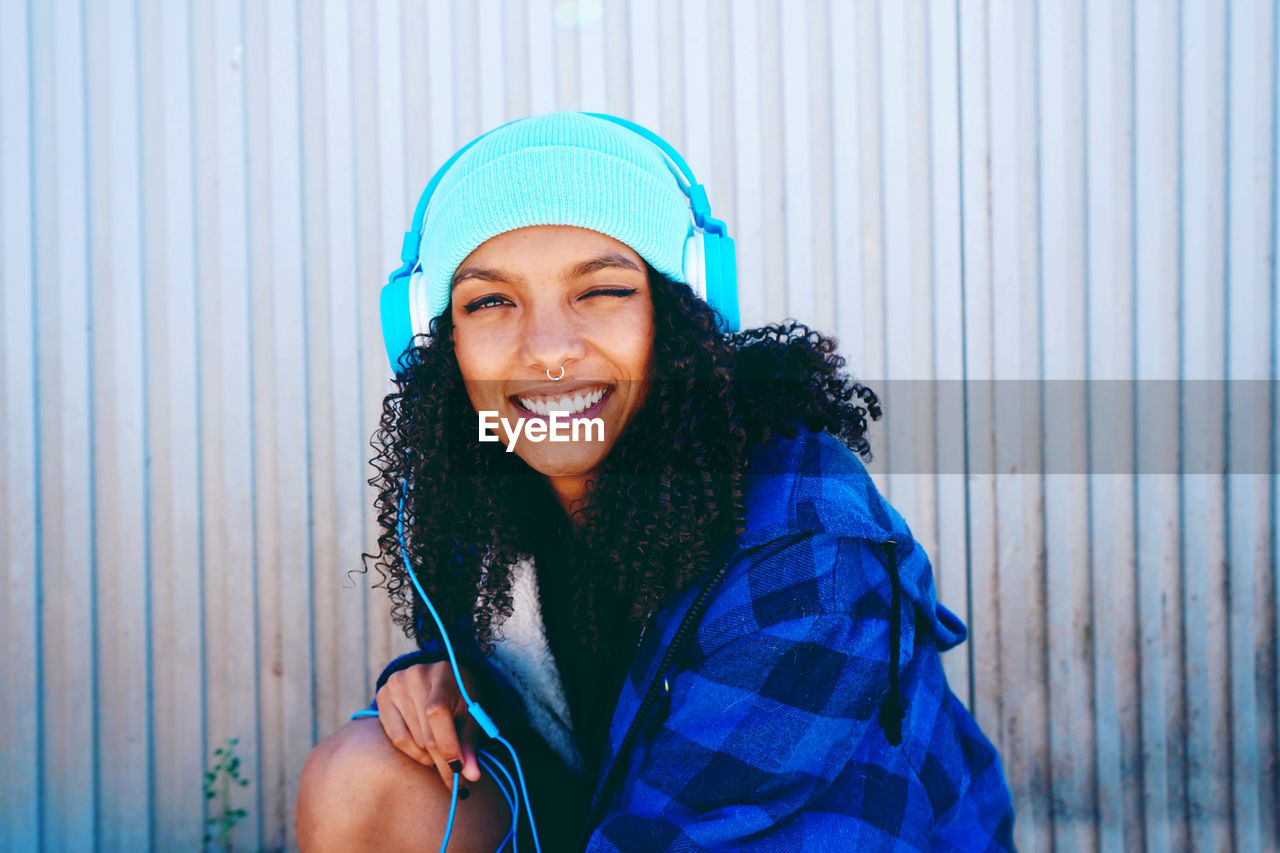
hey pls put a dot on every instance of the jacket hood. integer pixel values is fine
(813, 483)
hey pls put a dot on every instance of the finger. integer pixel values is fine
(443, 739)
(411, 690)
(408, 692)
(469, 734)
(393, 726)
(442, 766)
(438, 715)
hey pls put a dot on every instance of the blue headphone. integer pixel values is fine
(710, 267)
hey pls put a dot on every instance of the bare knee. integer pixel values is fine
(358, 792)
(340, 789)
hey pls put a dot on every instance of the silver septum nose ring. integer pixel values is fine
(556, 378)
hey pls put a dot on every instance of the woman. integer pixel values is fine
(700, 626)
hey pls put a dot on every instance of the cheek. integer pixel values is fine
(478, 354)
(468, 363)
(477, 366)
(637, 350)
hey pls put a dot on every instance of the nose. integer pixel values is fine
(552, 338)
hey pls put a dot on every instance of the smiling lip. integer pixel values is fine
(592, 411)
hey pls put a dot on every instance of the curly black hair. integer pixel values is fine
(669, 492)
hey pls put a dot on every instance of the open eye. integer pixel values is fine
(490, 301)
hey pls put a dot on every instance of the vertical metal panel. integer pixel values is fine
(419, 156)
(542, 89)
(1251, 179)
(983, 615)
(376, 244)
(770, 275)
(227, 459)
(20, 686)
(1203, 557)
(353, 425)
(494, 74)
(845, 222)
(642, 24)
(1018, 496)
(333, 655)
(564, 40)
(466, 58)
(866, 335)
(748, 211)
(1270, 795)
(360, 606)
(617, 56)
(715, 154)
(820, 151)
(1063, 337)
(118, 416)
(282, 508)
(70, 751)
(946, 272)
(334, 342)
(1108, 169)
(698, 97)
(514, 15)
(796, 164)
(1155, 337)
(908, 310)
(315, 211)
(437, 98)
(593, 72)
(667, 72)
(174, 435)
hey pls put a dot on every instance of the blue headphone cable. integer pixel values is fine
(473, 708)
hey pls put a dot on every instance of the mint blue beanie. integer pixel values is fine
(555, 169)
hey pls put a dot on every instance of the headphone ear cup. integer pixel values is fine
(721, 280)
(397, 319)
(695, 263)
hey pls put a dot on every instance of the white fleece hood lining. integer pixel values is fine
(523, 656)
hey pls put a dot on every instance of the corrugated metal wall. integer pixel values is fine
(200, 200)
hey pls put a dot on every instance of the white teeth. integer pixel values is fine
(573, 404)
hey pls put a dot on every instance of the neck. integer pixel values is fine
(570, 492)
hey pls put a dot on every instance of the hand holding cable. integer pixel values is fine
(424, 715)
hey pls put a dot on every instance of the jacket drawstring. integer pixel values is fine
(893, 710)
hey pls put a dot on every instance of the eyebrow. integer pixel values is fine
(610, 261)
(476, 272)
(602, 263)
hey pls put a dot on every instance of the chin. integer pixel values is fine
(566, 461)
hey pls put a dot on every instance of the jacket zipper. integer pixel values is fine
(692, 616)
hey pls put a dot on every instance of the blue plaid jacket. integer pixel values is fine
(762, 711)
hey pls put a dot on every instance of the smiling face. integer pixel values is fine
(532, 301)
